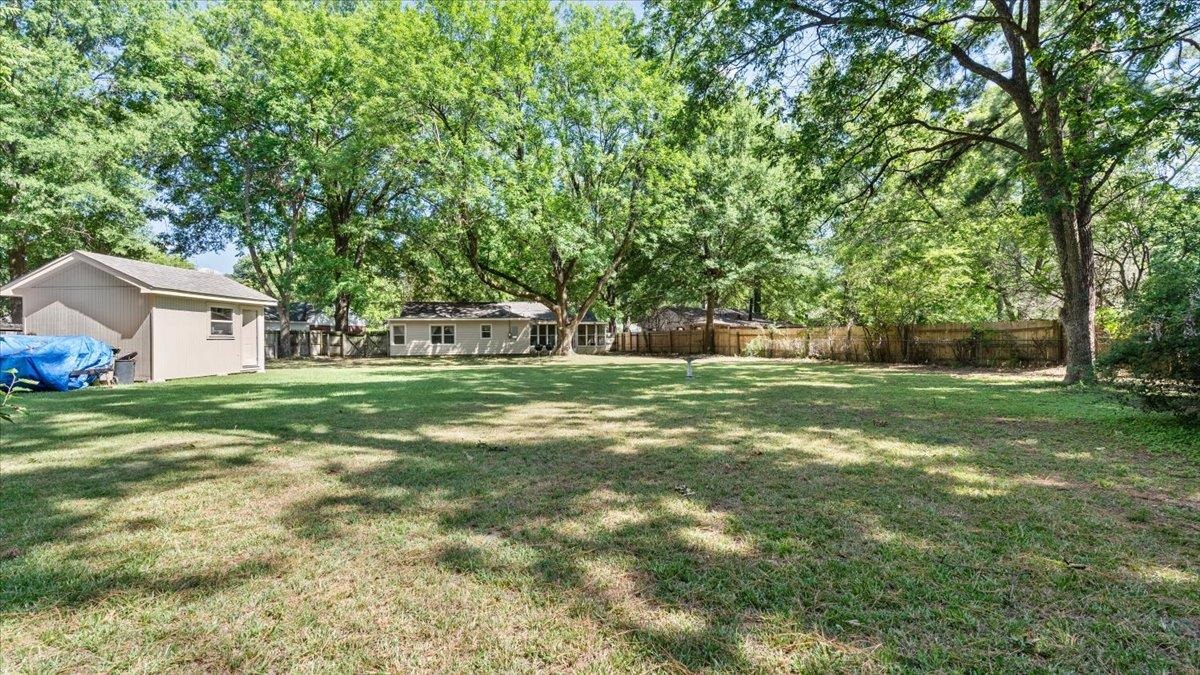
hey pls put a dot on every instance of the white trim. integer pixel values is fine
(218, 298)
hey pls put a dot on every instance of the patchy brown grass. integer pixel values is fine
(598, 514)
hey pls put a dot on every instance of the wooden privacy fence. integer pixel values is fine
(308, 344)
(1011, 342)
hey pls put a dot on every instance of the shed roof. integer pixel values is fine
(152, 277)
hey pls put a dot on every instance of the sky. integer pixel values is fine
(222, 261)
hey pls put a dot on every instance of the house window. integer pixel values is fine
(591, 335)
(441, 335)
(220, 321)
(543, 335)
(397, 335)
(485, 331)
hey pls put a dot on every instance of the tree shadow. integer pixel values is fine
(813, 515)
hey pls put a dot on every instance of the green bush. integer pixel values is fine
(1158, 355)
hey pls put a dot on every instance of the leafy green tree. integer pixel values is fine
(1160, 350)
(731, 201)
(550, 149)
(306, 157)
(1069, 91)
(87, 107)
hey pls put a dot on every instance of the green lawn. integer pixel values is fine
(598, 514)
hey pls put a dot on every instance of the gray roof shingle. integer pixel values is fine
(533, 311)
(165, 278)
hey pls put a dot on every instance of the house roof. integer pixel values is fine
(693, 315)
(304, 312)
(154, 278)
(530, 311)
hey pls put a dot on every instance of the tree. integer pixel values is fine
(87, 107)
(304, 158)
(550, 149)
(731, 204)
(1070, 91)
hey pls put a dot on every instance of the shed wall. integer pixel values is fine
(82, 300)
(183, 346)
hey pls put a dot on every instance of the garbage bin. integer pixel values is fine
(123, 371)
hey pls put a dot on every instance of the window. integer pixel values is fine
(397, 335)
(441, 335)
(485, 331)
(220, 322)
(591, 335)
(543, 335)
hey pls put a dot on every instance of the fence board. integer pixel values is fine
(1014, 342)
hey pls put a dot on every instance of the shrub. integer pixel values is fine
(1158, 355)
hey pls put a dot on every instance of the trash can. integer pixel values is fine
(123, 371)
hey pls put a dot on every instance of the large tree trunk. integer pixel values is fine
(341, 312)
(1078, 314)
(710, 310)
(564, 344)
(284, 348)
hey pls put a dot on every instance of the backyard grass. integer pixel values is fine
(598, 514)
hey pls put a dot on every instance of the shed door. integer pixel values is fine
(249, 338)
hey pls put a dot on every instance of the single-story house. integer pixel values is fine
(181, 323)
(689, 318)
(445, 328)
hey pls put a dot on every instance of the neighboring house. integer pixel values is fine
(687, 318)
(181, 323)
(445, 328)
(306, 317)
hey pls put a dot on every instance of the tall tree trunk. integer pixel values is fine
(565, 326)
(341, 312)
(283, 306)
(710, 311)
(1078, 312)
(565, 339)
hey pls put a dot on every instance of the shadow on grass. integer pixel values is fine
(904, 518)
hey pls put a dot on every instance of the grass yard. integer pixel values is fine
(598, 514)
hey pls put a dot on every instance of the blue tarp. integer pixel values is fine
(55, 363)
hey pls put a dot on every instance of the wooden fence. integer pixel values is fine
(1013, 342)
(308, 344)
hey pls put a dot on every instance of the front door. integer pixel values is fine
(249, 338)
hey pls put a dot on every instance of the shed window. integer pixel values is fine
(220, 321)
(397, 335)
(485, 331)
(441, 335)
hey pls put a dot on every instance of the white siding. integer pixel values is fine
(183, 346)
(467, 338)
(82, 300)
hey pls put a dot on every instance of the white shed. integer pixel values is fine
(182, 323)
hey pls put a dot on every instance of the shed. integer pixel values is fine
(182, 323)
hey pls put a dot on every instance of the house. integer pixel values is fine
(306, 317)
(445, 328)
(688, 318)
(181, 323)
